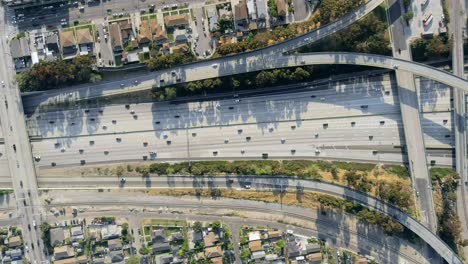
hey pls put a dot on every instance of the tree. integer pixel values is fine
(265, 78)
(144, 250)
(408, 16)
(279, 247)
(197, 226)
(245, 254)
(135, 259)
(216, 225)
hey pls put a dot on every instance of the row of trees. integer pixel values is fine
(449, 225)
(368, 35)
(47, 75)
(161, 61)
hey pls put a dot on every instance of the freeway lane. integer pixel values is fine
(280, 184)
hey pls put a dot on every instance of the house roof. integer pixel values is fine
(254, 235)
(83, 36)
(159, 236)
(125, 25)
(213, 252)
(145, 34)
(213, 17)
(255, 245)
(251, 9)
(114, 243)
(19, 48)
(14, 241)
(157, 30)
(312, 248)
(315, 257)
(82, 259)
(218, 260)
(182, 48)
(210, 239)
(67, 39)
(115, 35)
(171, 21)
(281, 7)
(274, 234)
(64, 250)
(240, 11)
(258, 255)
(65, 261)
(262, 11)
(51, 39)
(56, 235)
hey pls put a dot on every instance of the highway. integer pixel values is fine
(413, 131)
(18, 152)
(276, 123)
(258, 183)
(459, 114)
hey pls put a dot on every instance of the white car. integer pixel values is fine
(214, 65)
(3, 84)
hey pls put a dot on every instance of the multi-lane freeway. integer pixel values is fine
(358, 119)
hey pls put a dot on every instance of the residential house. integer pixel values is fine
(282, 8)
(293, 250)
(52, 44)
(63, 252)
(197, 237)
(164, 259)
(14, 254)
(361, 261)
(117, 256)
(181, 39)
(255, 235)
(177, 237)
(114, 244)
(258, 255)
(274, 235)
(68, 43)
(115, 37)
(145, 35)
(213, 17)
(20, 52)
(210, 239)
(14, 241)
(181, 48)
(160, 243)
(176, 20)
(315, 258)
(99, 261)
(56, 236)
(240, 14)
(126, 31)
(311, 248)
(218, 260)
(213, 252)
(85, 41)
(83, 259)
(66, 261)
(110, 231)
(251, 9)
(271, 257)
(76, 233)
(158, 32)
(255, 245)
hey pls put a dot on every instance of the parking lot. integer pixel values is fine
(417, 25)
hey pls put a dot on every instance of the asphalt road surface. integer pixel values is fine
(18, 152)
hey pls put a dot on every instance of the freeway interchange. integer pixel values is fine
(286, 126)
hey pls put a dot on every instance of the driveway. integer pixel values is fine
(104, 47)
(203, 43)
(301, 10)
